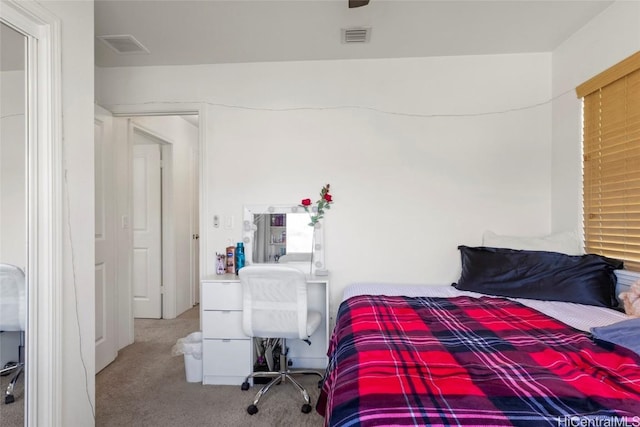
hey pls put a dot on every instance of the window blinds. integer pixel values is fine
(611, 163)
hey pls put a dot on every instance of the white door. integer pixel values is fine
(105, 241)
(147, 229)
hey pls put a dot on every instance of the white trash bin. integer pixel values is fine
(191, 347)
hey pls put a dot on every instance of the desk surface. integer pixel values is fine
(230, 277)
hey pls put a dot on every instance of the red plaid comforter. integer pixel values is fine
(471, 361)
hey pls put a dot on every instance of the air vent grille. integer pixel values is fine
(356, 35)
(124, 44)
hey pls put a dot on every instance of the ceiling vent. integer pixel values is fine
(124, 45)
(356, 35)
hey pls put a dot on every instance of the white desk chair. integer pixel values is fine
(275, 306)
(12, 317)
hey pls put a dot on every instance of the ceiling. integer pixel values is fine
(185, 32)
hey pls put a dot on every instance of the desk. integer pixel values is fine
(227, 353)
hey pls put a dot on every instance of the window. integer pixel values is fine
(611, 163)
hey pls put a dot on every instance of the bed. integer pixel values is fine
(446, 355)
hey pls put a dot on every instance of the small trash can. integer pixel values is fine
(191, 347)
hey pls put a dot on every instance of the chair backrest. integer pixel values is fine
(274, 301)
(13, 303)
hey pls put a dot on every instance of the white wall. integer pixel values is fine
(77, 374)
(410, 184)
(609, 38)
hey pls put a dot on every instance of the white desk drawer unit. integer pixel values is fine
(226, 350)
(223, 295)
(227, 353)
(225, 361)
(224, 324)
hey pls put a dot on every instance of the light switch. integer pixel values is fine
(125, 221)
(216, 221)
(228, 222)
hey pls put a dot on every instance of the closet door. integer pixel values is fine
(105, 241)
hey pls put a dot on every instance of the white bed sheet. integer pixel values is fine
(579, 316)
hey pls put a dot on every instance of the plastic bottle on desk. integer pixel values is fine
(231, 259)
(239, 256)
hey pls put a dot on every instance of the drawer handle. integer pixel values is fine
(226, 340)
(226, 311)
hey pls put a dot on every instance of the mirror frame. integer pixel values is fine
(249, 229)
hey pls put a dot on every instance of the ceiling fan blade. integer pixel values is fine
(357, 3)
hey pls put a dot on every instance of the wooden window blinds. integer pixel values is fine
(611, 162)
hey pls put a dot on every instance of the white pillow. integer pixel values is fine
(566, 242)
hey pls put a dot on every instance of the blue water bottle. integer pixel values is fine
(239, 256)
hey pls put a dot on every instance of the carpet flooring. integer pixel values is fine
(146, 386)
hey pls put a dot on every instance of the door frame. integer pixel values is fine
(168, 251)
(195, 239)
(126, 321)
(45, 197)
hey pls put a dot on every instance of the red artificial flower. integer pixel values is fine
(316, 213)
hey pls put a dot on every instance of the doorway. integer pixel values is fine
(156, 216)
(176, 139)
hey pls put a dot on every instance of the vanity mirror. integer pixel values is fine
(14, 221)
(281, 233)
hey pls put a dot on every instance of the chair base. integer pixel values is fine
(17, 368)
(280, 377)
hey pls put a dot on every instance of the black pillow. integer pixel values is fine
(552, 276)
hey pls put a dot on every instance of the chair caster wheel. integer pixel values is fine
(244, 386)
(9, 399)
(306, 408)
(252, 409)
